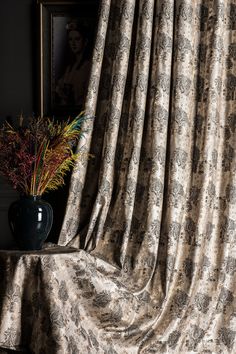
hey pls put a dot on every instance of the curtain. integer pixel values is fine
(154, 209)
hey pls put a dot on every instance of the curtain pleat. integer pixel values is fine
(157, 201)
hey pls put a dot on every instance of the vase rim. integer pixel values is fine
(30, 196)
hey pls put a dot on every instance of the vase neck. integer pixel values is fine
(31, 197)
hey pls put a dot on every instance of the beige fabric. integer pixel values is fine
(158, 201)
(155, 210)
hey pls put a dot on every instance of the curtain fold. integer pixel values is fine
(157, 202)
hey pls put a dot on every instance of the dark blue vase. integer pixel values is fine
(30, 219)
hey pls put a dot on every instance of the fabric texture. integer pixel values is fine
(158, 201)
(152, 215)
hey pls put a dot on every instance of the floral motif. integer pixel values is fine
(230, 265)
(196, 336)
(202, 301)
(227, 336)
(152, 216)
(179, 302)
(175, 194)
(62, 291)
(173, 339)
(225, 299)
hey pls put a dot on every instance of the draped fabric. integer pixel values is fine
(157, 202)
(150, 226)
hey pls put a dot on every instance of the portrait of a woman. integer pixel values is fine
(71, 86)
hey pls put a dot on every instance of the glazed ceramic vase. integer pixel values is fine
(30, 219)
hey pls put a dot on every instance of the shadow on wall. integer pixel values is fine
(7, 196)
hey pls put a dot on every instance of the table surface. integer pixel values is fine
(48, 248)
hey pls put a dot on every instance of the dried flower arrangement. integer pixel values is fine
(36, 157)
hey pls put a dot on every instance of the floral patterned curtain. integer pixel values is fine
(156, 205)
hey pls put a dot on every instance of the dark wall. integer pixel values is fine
(17, 81)
(17, 57)
(19, 52)
(19, 88)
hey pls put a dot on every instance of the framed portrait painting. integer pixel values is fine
(67, 31)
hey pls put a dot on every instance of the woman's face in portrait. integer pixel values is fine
(76, 41)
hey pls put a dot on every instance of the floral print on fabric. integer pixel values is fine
(162, 209)
(152, 216)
